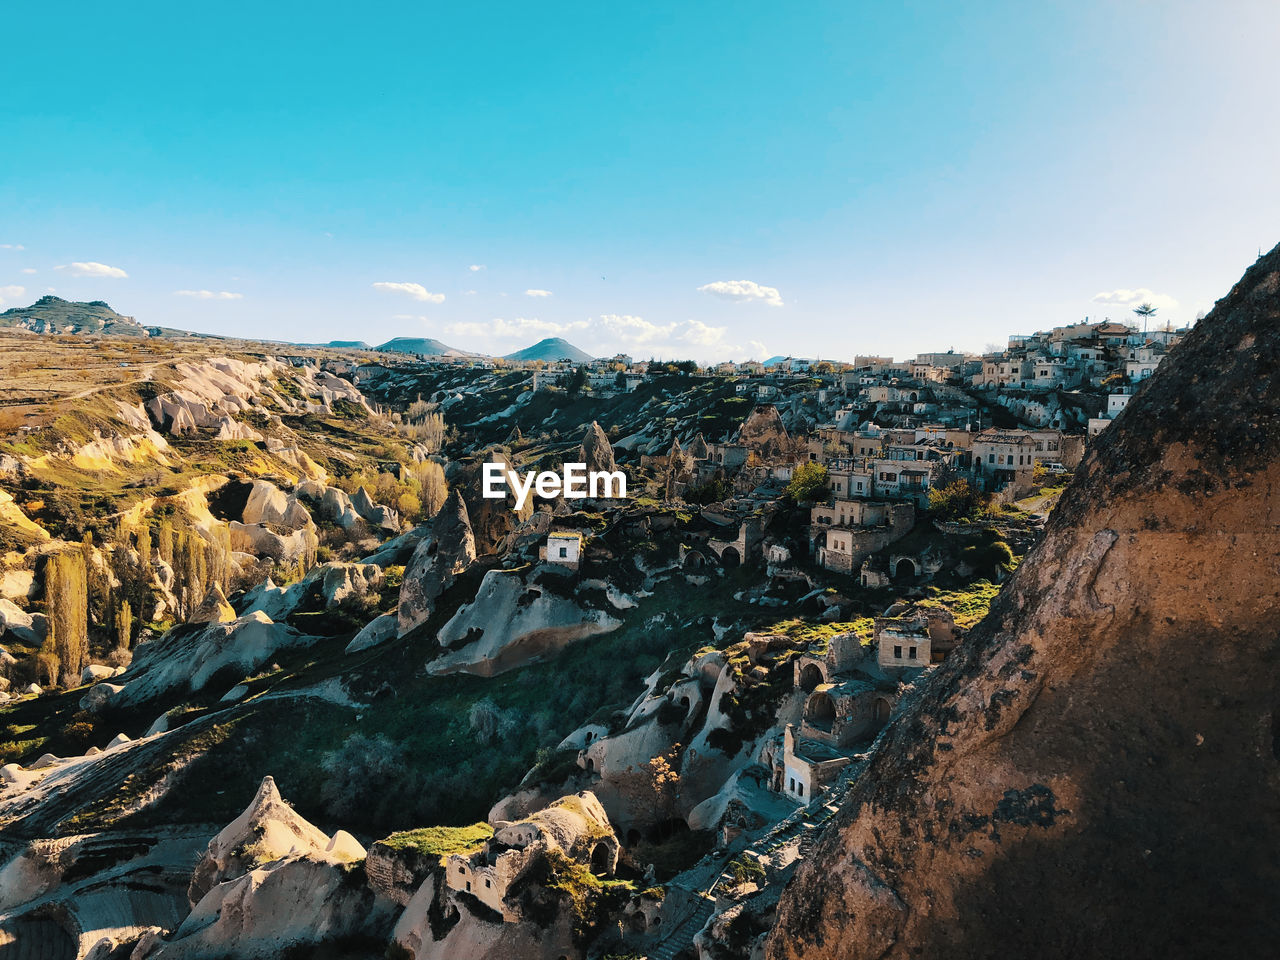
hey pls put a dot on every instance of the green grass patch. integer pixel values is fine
(968, 606)
(440, 841)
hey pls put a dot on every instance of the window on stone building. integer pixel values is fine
(911, 653)
(897, 653)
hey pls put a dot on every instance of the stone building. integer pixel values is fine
(903, 642)
(802, 768)
(574, 826)
(845, 532)
(563, 547)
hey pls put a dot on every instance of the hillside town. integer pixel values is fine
(670, 691)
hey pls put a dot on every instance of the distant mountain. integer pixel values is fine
(54, 315)
(424, 346)
(348, 345)
(551, 350)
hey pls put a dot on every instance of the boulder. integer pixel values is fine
(214, 609)
(376, 631)
(376, 515)
(699, 450)
(276, 910)
(277, 603)
(763, 434)
(336, 506)
(29, 628)
(95, 672)
(341, 582)
(17, 584)
(99, 695)
(266, 503)
(260, 541)
(267, 830)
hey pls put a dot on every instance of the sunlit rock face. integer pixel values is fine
(1095, 771)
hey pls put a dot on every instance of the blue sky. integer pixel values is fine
(678, 179)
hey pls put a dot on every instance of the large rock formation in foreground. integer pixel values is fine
(1095, 773)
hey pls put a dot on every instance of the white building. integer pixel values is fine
(563, 547)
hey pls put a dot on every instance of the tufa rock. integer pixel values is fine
(491, 520)
(446, 552)
(596, 451)
(1095, 771)
(214, 609)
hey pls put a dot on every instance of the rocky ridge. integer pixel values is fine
(1098, 770)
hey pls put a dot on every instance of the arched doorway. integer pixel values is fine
(810, 677)
(730, 557)
(601, 860)
(820, 712)
(880, 712)
(905, 570)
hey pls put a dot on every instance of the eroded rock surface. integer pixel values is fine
(1095, 771)
(446, 552)
(596, 451)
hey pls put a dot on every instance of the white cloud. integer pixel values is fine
(634, 330)
(521, 328)
(12, 246)
(11, 292)
(604, 335)
(209, 294)
(28, 270)
(476, 267)
(743, 291)
(702, 335)
(1131, 298)
(415, 290)
(468, 293)
(537, 293)
(92, 268)
(758, 350)
(676, 340)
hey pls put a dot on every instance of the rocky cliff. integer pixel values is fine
(1096, 772)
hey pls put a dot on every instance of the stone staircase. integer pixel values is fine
(681, 936)
(805, 823)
